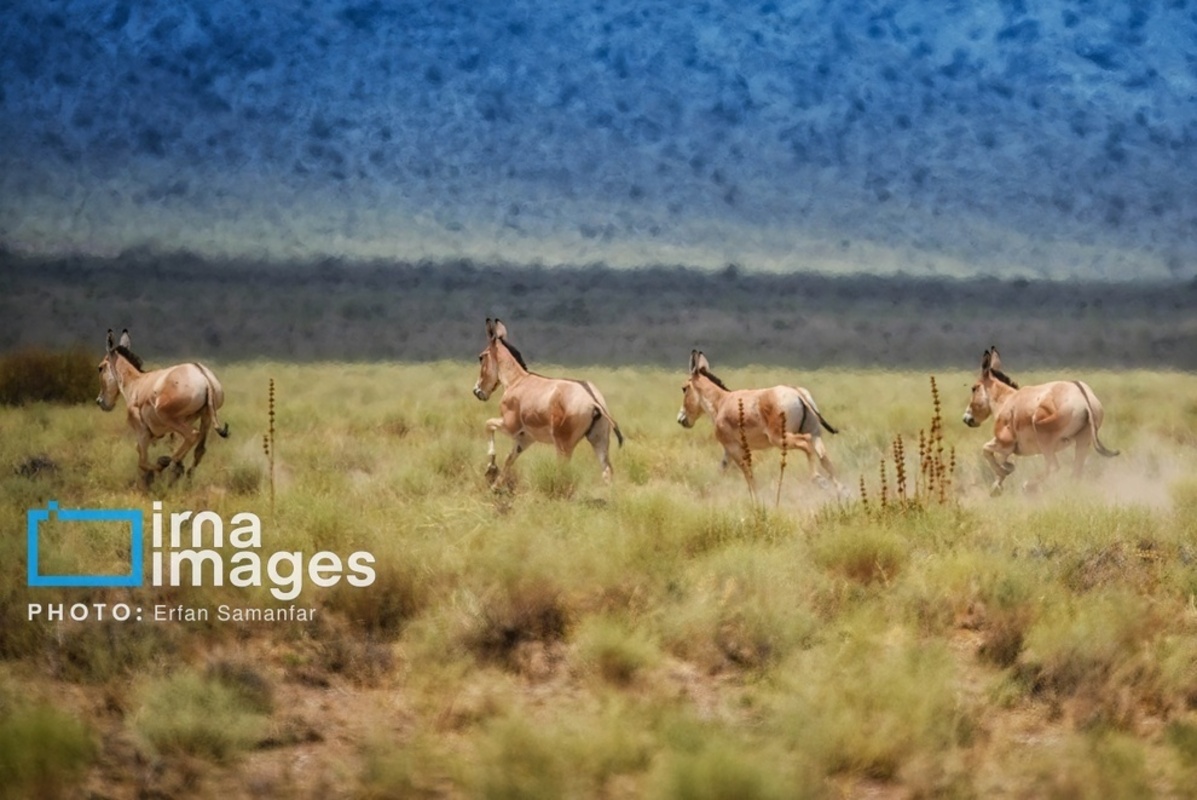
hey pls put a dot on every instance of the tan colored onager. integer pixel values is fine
(761, 426)
(557, 411)
(1043, 419)
(169, 400)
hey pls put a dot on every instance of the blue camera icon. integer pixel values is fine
(34, 518)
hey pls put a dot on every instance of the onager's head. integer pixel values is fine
(488, 360)
(981, 402)
(109, 382)
(692, 408)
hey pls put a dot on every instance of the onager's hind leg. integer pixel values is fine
(811, 447)
(190, 439)
(599, 437)
(828, 467)
(1050, 465)
(1083, 443)
(201, 447)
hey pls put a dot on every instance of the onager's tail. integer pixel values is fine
(824, 422)
(213, 420)
(1097, 445)
(213, 386)
(602, 413)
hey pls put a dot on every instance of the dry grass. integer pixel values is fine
(663, 636)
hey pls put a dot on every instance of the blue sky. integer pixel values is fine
(1051, 139)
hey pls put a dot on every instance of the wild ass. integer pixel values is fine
(1045, 418)
(164, 401)
(557, 411)
(757, 419)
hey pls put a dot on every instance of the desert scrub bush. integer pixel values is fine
(31, 376)
(614, 650)
(44, 752)
(519, 761)
(1091, 651)
(869, 706)
(1092, 766)
(745, 607)
(398, 594)
(513, 612)
(866, 553)
(555, 479)
(519, 755)
(990, 593)
(420, 768)
(721, 770)
(97, 651)
(674, 525)
(207, 716)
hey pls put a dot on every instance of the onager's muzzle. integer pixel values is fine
(970, 420)
(684, 420)
(481, 393)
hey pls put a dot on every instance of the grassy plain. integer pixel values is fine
(659, 637)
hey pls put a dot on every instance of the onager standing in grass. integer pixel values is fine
(164, 401)
(1034, 419)
(764, 412)
(557, 411)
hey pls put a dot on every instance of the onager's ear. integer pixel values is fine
(693, 362)
(111, 342)
(125, 340)
(986, 360)
(500, 329)
(995, 361)
(490, 328)
(702, 362)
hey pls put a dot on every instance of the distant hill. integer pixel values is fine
(189, 307)
(1050, 140)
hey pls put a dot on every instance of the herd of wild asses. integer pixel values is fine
(1041, 419)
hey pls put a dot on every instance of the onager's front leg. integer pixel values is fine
(1001, 468)
(492, 469)
(743, 461)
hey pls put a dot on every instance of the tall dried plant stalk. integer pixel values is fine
(747, 452)
(884, 487)
(900, 467)
(781, 474)
(268, 444)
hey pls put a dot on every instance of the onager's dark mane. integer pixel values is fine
(130, 356)
(713, 378)
(515, 353)
(1004, 378)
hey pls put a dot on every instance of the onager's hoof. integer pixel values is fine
(996, 489)
(492, 473)
(1007, 467)
(163, 462)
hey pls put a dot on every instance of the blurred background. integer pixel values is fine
(963, 169)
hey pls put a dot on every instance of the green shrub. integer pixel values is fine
(617, 652)
(43, 752)
(35, 375)
(517, 760)
(866, 554)
(210, 717)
